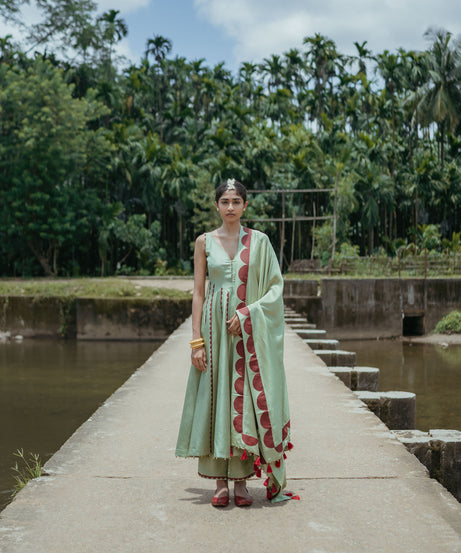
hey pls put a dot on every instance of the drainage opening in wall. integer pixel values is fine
(413, 325)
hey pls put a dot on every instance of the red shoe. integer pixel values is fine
(243, 501)
(222, 501)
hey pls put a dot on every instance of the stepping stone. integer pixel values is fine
(397, 410)
(358, 378)
(322, 344)
(311, 333)
(438, 450)
(291, 320)
(336, 358)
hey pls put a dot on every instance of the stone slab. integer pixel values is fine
(322, 344)
(337, 357)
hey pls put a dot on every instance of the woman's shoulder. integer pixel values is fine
(200, 241)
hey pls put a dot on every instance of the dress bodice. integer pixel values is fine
(222, 270)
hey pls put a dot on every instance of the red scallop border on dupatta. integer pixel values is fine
(256, 380)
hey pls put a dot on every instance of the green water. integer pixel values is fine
(49, 388)
(432, 372)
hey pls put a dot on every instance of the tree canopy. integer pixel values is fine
(108, 168)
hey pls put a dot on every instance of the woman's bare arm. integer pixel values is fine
(198, 356)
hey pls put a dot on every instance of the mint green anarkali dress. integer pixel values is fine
(236, 417)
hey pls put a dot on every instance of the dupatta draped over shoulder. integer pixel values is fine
(240, 404)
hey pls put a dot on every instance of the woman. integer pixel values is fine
(236, 417)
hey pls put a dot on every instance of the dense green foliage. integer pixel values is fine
(450, 324)
(106, 170)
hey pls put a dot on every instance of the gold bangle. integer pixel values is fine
(198, 346)
(197, 343)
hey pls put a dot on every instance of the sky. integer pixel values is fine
(234, 31)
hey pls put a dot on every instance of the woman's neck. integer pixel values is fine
(230, 229)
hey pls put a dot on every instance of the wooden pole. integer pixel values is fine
(282, 238)
(313, 232)
(333, 247)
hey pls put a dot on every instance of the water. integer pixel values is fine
(48, 388)
(432, 372)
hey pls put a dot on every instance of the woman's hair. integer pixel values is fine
(230, 184)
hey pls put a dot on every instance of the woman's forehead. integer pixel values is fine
(231, 195)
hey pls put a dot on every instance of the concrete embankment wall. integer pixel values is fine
(346, 308)
(374, 308)
(91, 318)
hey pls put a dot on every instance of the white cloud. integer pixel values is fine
(264, 27)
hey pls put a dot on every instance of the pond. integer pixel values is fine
(48, 388)
(431, 371)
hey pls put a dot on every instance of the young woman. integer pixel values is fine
(236, 416)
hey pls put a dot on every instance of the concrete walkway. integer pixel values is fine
(116, 486)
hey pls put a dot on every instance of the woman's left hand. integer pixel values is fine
(234, 326)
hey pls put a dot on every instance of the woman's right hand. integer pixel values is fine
(198, 358)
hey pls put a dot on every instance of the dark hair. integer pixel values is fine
(239, 188)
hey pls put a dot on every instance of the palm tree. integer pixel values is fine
(273, 68)
(296, 78)
(441, 98)
(113, 29)
(324, 62)
(158, 47)
(415, 73)
(390, 68)
(363, 55)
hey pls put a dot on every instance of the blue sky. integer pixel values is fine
(249, 30)
(234, 31)
(193, 37)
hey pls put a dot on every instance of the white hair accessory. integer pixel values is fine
(230, 184)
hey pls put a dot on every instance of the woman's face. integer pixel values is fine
(231, 206)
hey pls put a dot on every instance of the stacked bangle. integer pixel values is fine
(198, 343)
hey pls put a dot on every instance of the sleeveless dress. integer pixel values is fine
(239, 404)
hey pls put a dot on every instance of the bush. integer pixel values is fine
(450, 324)
(429, 237)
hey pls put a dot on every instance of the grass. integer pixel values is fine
(88, 288)
(27, 470)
